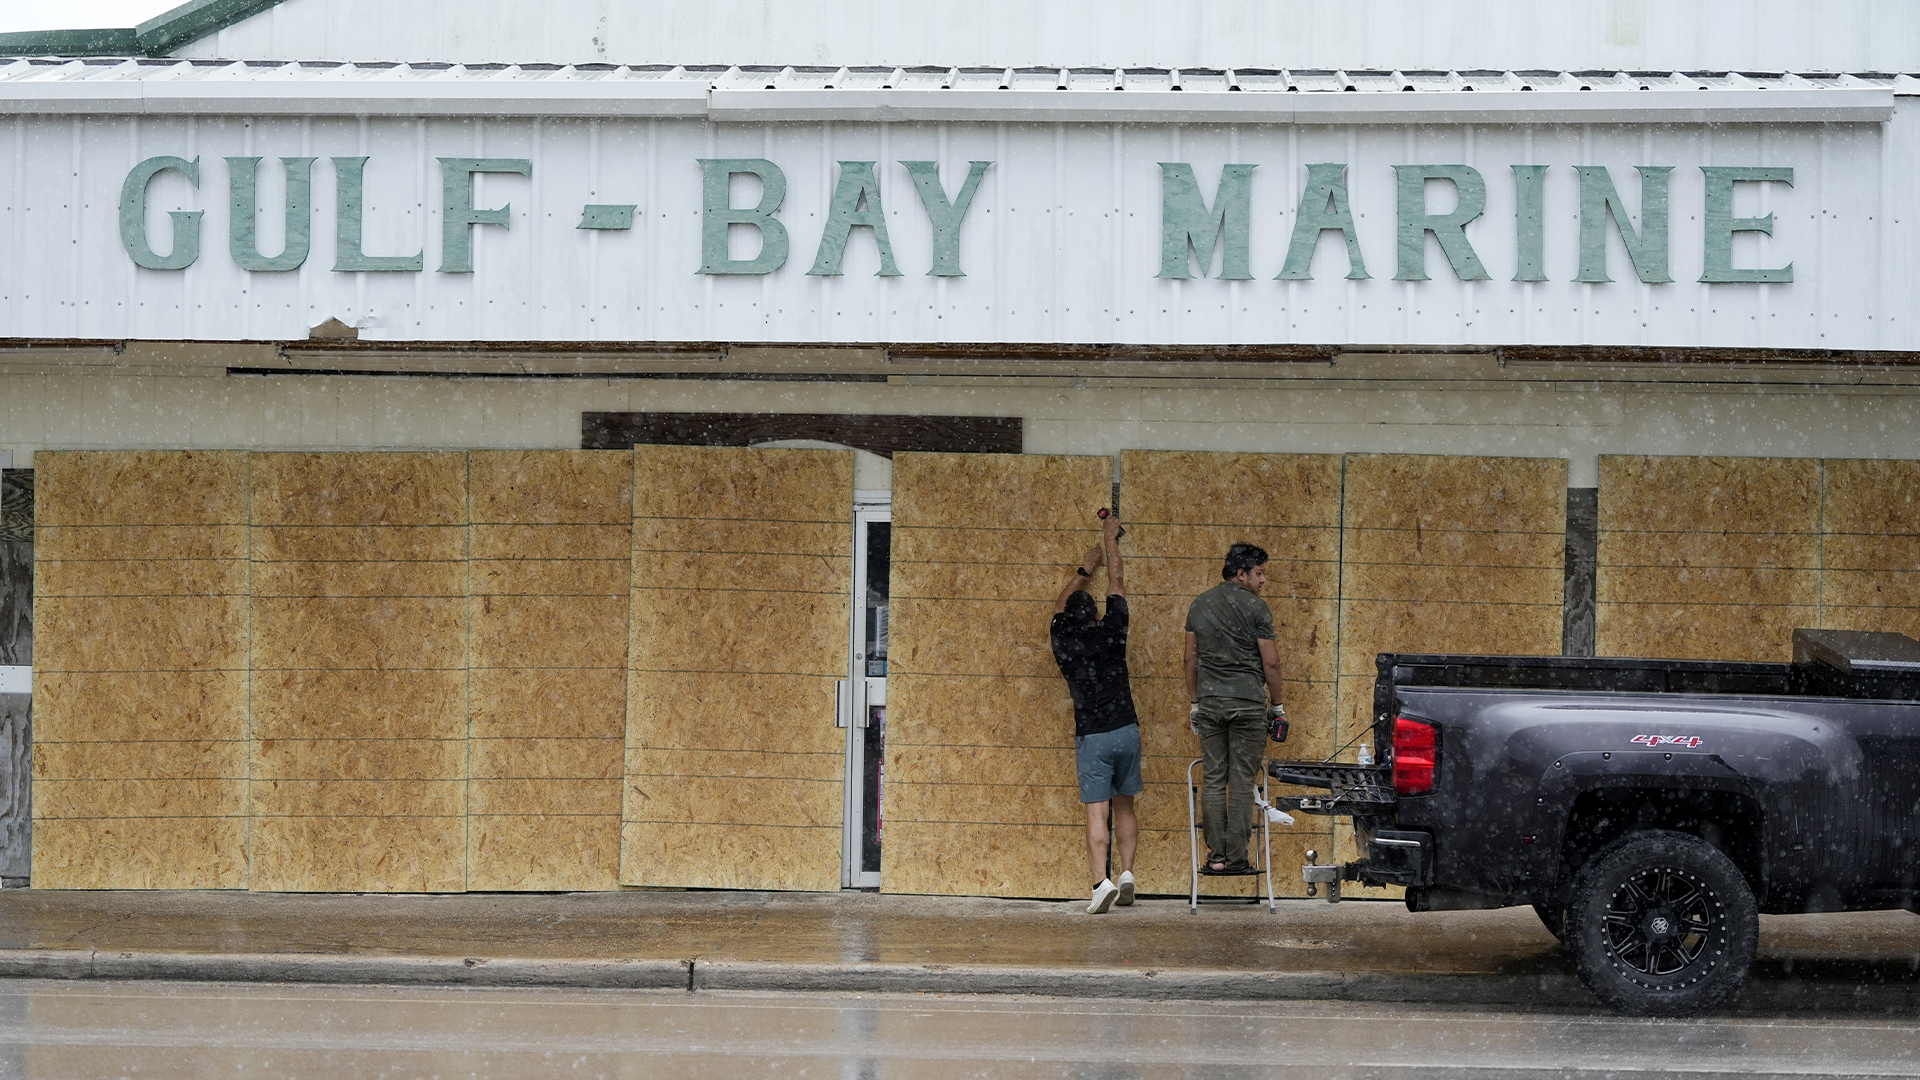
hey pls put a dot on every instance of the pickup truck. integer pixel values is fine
(1649, 810)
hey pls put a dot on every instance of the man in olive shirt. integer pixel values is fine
(1233, 672)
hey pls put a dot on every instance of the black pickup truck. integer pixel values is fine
(1649, 810)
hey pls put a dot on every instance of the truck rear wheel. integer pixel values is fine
(1662, 924)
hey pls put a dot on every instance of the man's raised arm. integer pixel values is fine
(1116, 573)
(1078, 580)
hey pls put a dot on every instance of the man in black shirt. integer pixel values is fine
(1092, 654)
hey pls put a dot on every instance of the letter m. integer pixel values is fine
(1186, 222)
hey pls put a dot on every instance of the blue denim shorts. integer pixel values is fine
(1109, 764)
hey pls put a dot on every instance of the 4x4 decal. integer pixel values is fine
(1688, 741)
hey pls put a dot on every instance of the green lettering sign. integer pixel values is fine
(1186, 222)
(1326, 184)
(133, 216)
(718, 214)
(1721, 224)
(1449, 228)
(349, 201)
(946, 216)
(1529, 222)
(242, 239)
(856, 203)
(457, 215)
(1599, 200)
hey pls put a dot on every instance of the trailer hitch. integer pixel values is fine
(1314, 875)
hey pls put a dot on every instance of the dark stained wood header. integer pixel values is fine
(879, 434)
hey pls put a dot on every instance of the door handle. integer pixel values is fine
(840, 703)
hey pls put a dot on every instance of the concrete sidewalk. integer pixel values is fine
(1357, 950)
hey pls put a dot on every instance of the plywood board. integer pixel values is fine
(981, 543)
(1445, 554)
(544, 853)
(553, 487)
(1870, 545)
(1707, 557)
(726, 652)
(360, 655)
(140, 697)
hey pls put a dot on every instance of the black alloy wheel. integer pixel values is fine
(1662, 924)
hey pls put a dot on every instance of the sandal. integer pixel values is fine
(1218, 867)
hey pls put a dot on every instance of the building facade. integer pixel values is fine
(638, 447)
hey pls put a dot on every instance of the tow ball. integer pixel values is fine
(1314, 874)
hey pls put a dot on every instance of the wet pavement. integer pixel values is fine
(161, 1030)
(725, 941)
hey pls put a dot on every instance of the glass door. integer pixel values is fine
(863, 696)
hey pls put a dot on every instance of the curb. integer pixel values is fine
(1552, 989)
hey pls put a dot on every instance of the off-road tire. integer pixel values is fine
(1662, 924)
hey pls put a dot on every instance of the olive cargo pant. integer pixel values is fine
(1233, 737)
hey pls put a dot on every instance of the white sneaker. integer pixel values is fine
(1103, 895)
(1125, 899)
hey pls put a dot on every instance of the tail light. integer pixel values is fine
(1415, 751)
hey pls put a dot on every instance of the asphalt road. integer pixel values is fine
(159, 1031)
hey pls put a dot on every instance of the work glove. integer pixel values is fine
(1277, 722)
(1193, 718)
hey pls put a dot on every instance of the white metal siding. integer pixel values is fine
(1833, 35)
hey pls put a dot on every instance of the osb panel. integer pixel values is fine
(681, 709)
(549, 703)
(1002, 639)
(119, 705)
(359, 854)
(358, 798)
(1055, 549)
(553, 542)
(546, 796)
(726, 536)
(1707, 585)
(1455, 547)
(733, 801)
(371, 543)
(140, 487)
(1031, 711)
(341, 579)
(360, 489)
(141, 633)
(1376, 626)
(702, 571)
(1052, 801)
(1899, 620)
(1442, 584)
(1879, 588)
(712, 630)
(359, 759)
(955, 859)
(553, 486)
(549, 631)
(1715, 549)
(759, 856)
(146, 760)
(919, 764)
(1871, 497)
(138, 798)
(1253, 490)
(1426, 492)
(360, 632)
(140, 853)
(552, 577)
(774, 763)
(1884, 552)
(359, 704)
(543, 853)
(145, 577)
(140, 542)
(527, 758)
(1288, 576)
(1701, 631)
(728, 483)
(950, 581)
(1015, 492)
(1709, 494)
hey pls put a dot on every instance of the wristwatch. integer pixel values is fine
(1082, 571)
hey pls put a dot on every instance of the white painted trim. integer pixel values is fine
(665, 98)
(16, 680)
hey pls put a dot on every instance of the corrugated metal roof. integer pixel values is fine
(924, 77)
(748, 93)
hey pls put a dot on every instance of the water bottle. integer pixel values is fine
(1365, 756)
